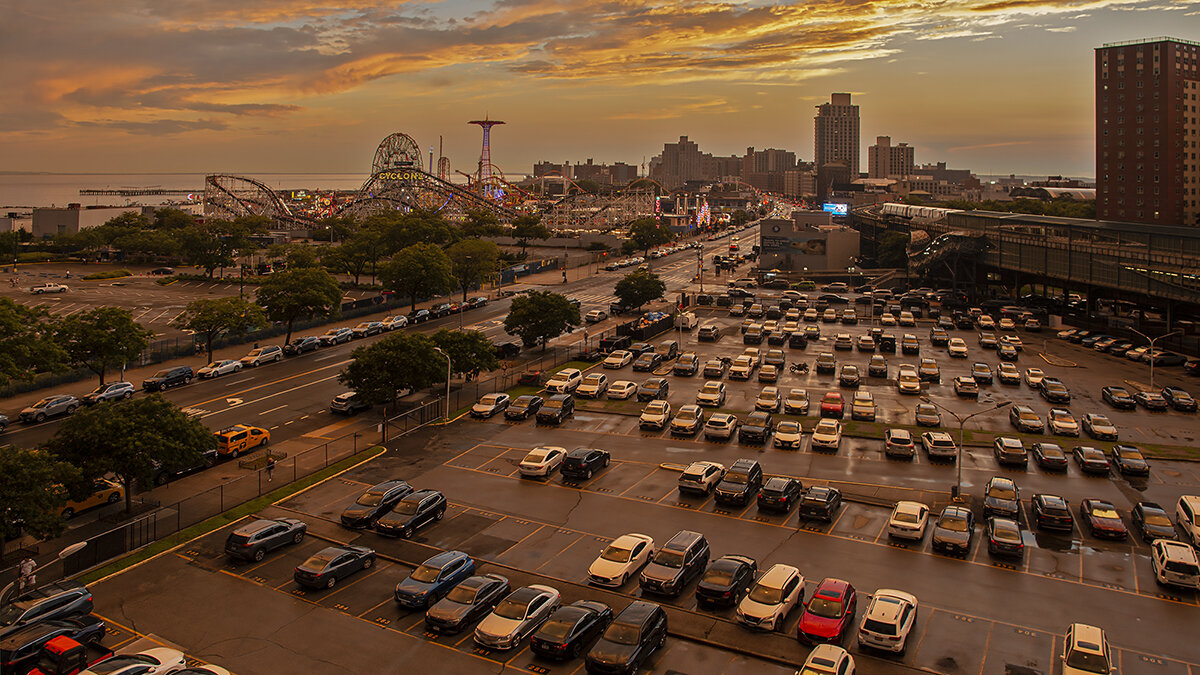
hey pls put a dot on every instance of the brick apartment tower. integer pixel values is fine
(837, 133)
(1147, 128)
(885, 159)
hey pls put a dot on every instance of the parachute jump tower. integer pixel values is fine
(485, 158)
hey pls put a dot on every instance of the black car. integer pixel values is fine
(797, 340)
(686, 364)
(740, 483)
(1004, 537)
(653, 388)
(255, 540)
(419, 315)
(629, 640)
(673, 566)
(726, 580)
(1053, 390)
(300, 345)
(168, 377)
(581, 463)
(1152, 522)
(19, 650)
(1118, 397)
(556, 409)
(331, 564)
(1129, 460)
(571, 629)
(375, 502)
(1090, 460)
(780, 493)
(954, 530)
(1179, 399)
(821, 502)
(647, 362)
(1051, 512)
(756, 428)
(413, 511)
(59, 600)
(523, 407)
(1001, 498)
(471, 599)
(1049, 456)
(440, 310)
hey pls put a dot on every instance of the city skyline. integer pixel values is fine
(997, 87)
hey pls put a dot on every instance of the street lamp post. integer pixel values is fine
(962, 421)
(1151, 352)
(439, 350)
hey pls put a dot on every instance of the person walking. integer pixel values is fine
(270, 467)
(26, 575)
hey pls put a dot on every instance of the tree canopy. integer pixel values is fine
(526, 227)
(893, 250)
(418, 270)
(131, 441)
(472, 261)
(27, 346)
(299, 293)
(102, 338)
(646, 233)
(540, 316)
(210, 318)
(470, 351)
(382, 370)
(638, 288)
(215, 243)
(29, 506)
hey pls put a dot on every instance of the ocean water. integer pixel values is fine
(20, 191)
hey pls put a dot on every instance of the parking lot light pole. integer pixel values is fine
(1151, 352)
(439, 350)
(962, 421)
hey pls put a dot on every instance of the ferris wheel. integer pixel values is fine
(398, 151)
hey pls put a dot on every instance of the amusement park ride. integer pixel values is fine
(398, 182)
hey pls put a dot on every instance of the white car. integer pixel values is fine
(216, 368)
(789, 435)
(1014, 340)
(565, 381)
(1033, 376)
(593, 386)
(908, 521)
(490, 404)
(394, 322)
(1006, 324)
(655, 415)
(596, 316)
(49, 288)
(618, 359)
(886, 319)
(776, 593)
(1086, 651)
(828, 660)
(701, 477)
(986, 322)
(262, 355)
(157, 661)
(889, 619)
(957, 347)
(1175, 564)
(720, 425)
(621, 560)
(1062, 422)
(517, 615)
(755, 355)
(542, 461)
(621, 389)
(907, 380)
(711, 394)
(742, 368)
(827, 434)
(768, 399)
(906, 319)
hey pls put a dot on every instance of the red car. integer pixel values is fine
(1102, 519)
(833, 405)
(828, 613)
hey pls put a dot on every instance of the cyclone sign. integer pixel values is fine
(399, 175)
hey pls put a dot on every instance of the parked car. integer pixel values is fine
(570, 630)
(1049, 456)
(632, 637)
(1129, 460)
(556, 409)
(490, 404)
(829, 613)
(1152, 522)
(821, 502)
(908, 520)
(523, 407)
(262, 355)
(1102, 519)
(374, 502)
(348, 403)
(621, 560)
(469, 600)
(772, 597)
(542, 461)
(726, 581)
(432, 580)
(336, 336)
(254, 540)
(899, 443)
(218, 368)
(308, 343)
(954, 530)
(673, 566)
(113, 391)
(780, 493)
(331, 564)
(413, 511)
(700, 477)
(168, 377)
(581, 463)
(888, 621)
(50, 406)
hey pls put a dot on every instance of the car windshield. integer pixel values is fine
(905, 517)
(686, 415)
(954, 523)
(669, 559)
(557, 629)
(1157, 518)
(1001, 491)
(657, 407)
(1104, 512)
(617, 553)
(1063, 417)
(510, 609)
(830, 609)
(711, 388)
(370, 499)
(406, 508)
(622, 634)
(736, 477)
(766, 595)
(1028, 415)
(1089, 662)
(552, 404)
(593, 379)
(426, 574)
(462, 594)
(320, 559)
(789, 428)
(490, 399)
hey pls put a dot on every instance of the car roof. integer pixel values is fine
(255, 527)
(636, 613)
(777, 575)
(886, 605)
(1082, 632)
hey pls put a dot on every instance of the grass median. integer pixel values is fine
(222, 519)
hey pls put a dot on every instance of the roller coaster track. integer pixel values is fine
(227, 197)
(415, 188)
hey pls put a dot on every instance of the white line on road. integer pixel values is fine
(330, 356)
(272, 410)
(244, 379)
(159, 316)
(139, 316)
(278, 393)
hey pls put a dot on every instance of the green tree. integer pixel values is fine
(27, 344)
(646, 233)
(215, 243)
(472, 261)
(29, 505)
(469, 350)
(334, 228)
(638, 288)
(300, 293)
(527, 227)
(539, 317)
(419, 270)
(893, 250)
(398, 231)
(131, 441)
(173, 219)
(211, 318)
(102, 338)
(481, 223)
(360, 251)
(384, 369)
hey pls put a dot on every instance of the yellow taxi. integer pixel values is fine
(107, 492)
(239, 438)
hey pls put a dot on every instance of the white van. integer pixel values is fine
(1187, 516)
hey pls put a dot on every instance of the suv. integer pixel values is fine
(254, 540)
(888, 621)
(709, 333)
(564, 381)
(1086, 650)
(939, 445)
(262, 355)
(336, 336)
(1175, 564)
(113, 391)
(348, 403)
(630, 639)
(1187, 516)
(168, 377)
(581, 463)
(556, 409)
(700, 477)
(1010, 450)
(741, 482)
(1023, 418)
(58, 600)
(680, 560)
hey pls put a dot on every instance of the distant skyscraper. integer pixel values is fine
(1147, 131)
(885, 159)
(837, 133)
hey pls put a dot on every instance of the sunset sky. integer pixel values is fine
(997, 86)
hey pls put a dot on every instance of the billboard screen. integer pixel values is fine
(835, 209)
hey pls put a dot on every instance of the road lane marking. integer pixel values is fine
(259, 400)
(273, 410)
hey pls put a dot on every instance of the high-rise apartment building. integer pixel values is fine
(1147, 130)
(886, 160)
(837, 133)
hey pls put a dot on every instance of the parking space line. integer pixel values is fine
(521, 541)
(357, 578)
(563, 550)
